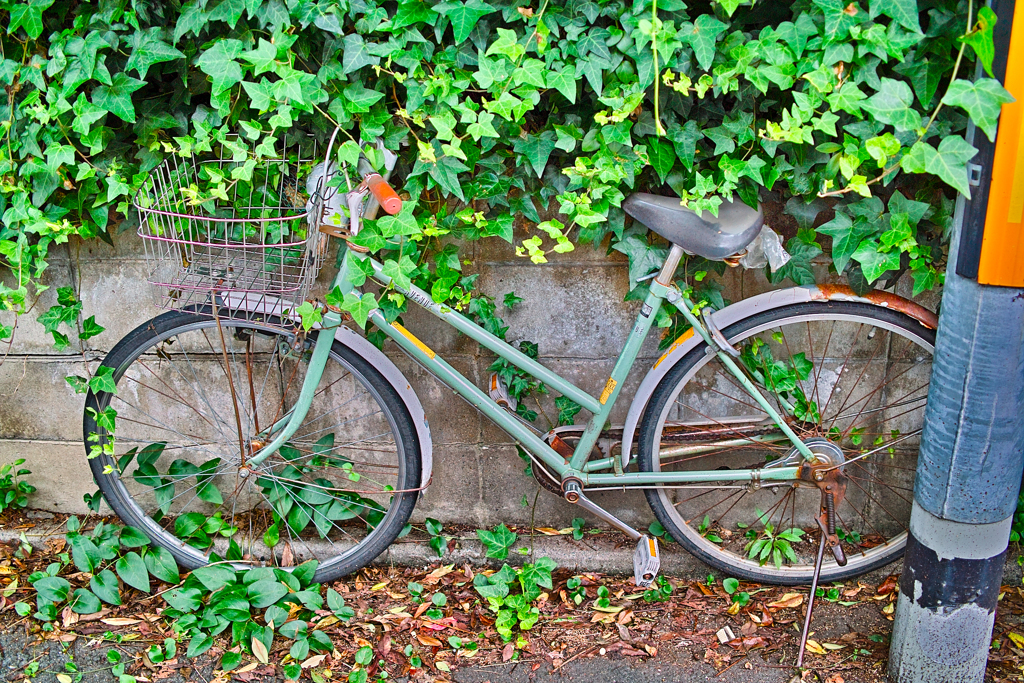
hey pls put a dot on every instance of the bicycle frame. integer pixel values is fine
(661, 290)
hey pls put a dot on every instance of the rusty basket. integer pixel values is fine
(253, 248)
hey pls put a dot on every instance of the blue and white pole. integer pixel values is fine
(972, 447)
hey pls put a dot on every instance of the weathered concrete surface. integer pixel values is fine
(573, 308)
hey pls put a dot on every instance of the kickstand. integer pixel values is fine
(814, 589)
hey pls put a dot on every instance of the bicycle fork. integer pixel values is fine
(286, 427)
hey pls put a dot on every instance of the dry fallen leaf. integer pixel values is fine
(887, 586)
(788, 601)
(734, 608)
(889, 609)
(429, 641)
(259, 650)
(815, 647)
(315, 660)
(506, 653)
(64, 678)
(1017, 639)
(120, 621)
(437, 574)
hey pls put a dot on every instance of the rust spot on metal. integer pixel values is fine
(879, 298)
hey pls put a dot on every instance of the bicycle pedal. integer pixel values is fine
(646, 561)
(498, 391)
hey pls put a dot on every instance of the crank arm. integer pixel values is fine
(574, 494)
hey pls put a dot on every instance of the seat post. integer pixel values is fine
(668, 269)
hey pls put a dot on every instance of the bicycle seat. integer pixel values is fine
(698, 233)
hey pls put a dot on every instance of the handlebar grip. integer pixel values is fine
(385, 194)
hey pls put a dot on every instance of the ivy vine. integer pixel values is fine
(503, 111)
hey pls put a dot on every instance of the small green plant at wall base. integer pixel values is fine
(438, 542)
(577, 592)
(14, 491)
(497, 541)
(661, 591)
(732, 588)
(510, 593)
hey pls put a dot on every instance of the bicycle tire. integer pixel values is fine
(153, 343)
(720, 547)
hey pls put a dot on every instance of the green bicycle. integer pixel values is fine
(242, 436)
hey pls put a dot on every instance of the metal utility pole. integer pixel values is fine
(972, 447)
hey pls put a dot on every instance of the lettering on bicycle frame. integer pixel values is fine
(419, 298)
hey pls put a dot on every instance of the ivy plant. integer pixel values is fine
(516, 121)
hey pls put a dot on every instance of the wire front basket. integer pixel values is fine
(233, 233)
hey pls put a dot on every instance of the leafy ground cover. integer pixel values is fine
(430, 623)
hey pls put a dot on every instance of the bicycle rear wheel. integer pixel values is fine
(857, 376)
(196, 399)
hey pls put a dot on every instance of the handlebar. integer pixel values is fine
(385, 194)
(375, 183)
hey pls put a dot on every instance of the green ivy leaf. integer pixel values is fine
(981, 38)
(846, 236)
(537, 149)
(498, 542)
(840, 17)
(464, 16)
(228, 11)
(891, 104)
(643, 257)
(702, 35)
(90, 328)
(263, 58)
(356, 54)
(192, 19)
(949, 161)
(563, 81)
(403, 223)
(903, 11)
(29, 16)
(982, 100)
(148, 48)
(360, 99)
(219, 63)
(117, 97)
(359, 307)
(662, 156)
(848, 98)
(873, 262)
(508, 45)
(400, 272)
(798, 268)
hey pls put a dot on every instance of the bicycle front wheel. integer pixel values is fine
(853, 380)
(197, 397)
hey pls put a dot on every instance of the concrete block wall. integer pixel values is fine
(573, 307)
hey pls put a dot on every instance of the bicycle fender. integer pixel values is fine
(746, 308)
(394, 376)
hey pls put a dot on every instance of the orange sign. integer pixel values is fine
(1002, 246)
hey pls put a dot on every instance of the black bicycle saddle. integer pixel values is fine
(698, 233)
